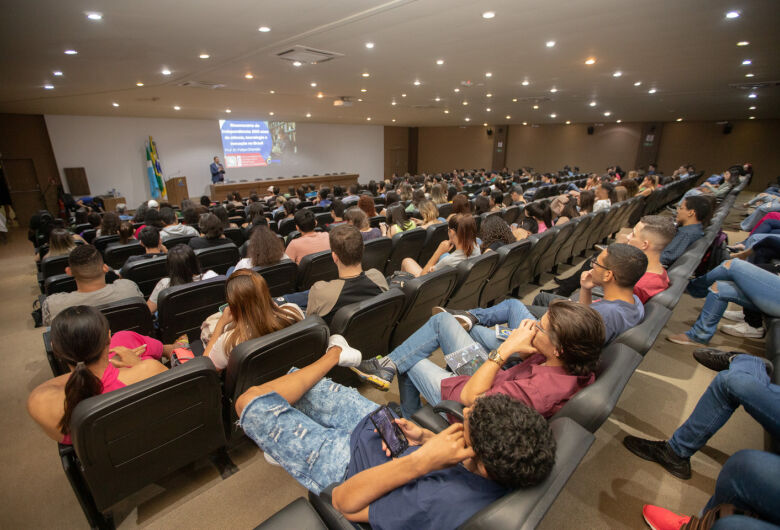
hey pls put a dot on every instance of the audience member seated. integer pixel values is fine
(429, 213)
(495, 233)
(172, 227)
(251, 313)
(100, 362)
(310, 241)
(770, 205)
(481, 205)
(460, 206)
(264, 248)
(585, 201)
(718, 191)
(604, 196)
(397, 221)
(150, 240)
(109, 226)
(460, 245)
(559, 354)
(691, 214)
(61, 242)
(742, 380)
(649, 185)
(735, 281)
(322, 198)
(352, 196)
(341, 446)
(212, 233)
(541, 213)
(366, 203)
(356, 217)
(151, 218)
(86, 266)
(564, 209)
(121, 210)
(222, 214)
(183, 268)
(337, 209)
(517, 196)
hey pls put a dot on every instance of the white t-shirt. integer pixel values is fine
(246, 263)
(601, 205)
(164, 283)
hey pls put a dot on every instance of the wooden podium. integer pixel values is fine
(177, 190)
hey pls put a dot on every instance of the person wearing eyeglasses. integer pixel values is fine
(558, 356)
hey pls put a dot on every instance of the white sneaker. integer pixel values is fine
(742, 329)
(271, 460)
(736, 316)
(349, 355)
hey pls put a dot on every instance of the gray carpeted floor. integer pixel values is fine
(607, 491)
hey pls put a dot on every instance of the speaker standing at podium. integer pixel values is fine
(217, 171)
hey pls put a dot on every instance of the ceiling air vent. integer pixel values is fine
(754, 86)
(201, 84)
(540, 99)
(306, 55)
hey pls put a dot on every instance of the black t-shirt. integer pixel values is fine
(325, 298)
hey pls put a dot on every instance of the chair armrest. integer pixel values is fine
(450, 407)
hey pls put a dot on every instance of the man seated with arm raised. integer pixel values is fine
(86, 266)
(320, 432)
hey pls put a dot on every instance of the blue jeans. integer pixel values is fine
(745, 383)
(752, 220)
(311, 438)
(742, 283)
(748, 480)
(301, 299)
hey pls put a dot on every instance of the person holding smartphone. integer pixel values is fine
(322, 433)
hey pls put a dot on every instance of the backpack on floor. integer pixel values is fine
(715, 255)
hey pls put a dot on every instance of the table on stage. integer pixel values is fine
(260, 186)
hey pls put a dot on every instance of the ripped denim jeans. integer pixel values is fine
(311, 438)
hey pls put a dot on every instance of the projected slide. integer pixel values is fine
(257, 143)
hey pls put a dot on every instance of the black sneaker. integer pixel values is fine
(719, 360)
(661, 453)
(466, 319)
(377, 371)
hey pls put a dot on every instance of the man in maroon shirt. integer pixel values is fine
(559, 354)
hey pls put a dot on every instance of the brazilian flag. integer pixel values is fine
(153, 184)
(155, 158)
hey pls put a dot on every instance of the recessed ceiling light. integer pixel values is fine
(297, 63)
(568, 122)
(57, 73)
(417, 82)
(313, 85)
(249, 76)
(403, 95)
(369, 45)
(228, 111)
(467, 119)
(536, 107)
(320, 95)
(270, 113)
(488, 14)
(618, 121)
(165, 71)
(679, 119)
(440, 61)
(743, 43)
(514, 100)
(484, 124)
(437, 98)
(553, 115)
(364, 90)
(263, 29)
(94, 16)
(71, 52)
(746, 62)
(732, 14)
(366, 74)
(488, 74)
(752, 95)
(272, 91)
(488, 95)
(651, 91)
(753, 107)
(204, 55)
(115, 104)
(360, 100)
(176, 107)
(752, 118)
(508, 117)
(368, 118)
(393, 120)
(488, 109)
(465, 103)
(446, 111)
(590, 60)
(525, 123)
(553, 90)
(48, 87)
(393, 103)
(592, 103)
(550, 43)
(308, 114)
(139, 84)
(617, 74)
(607, 113)
(638, 83)
(749, 75)
(525, 82)
(456, 90)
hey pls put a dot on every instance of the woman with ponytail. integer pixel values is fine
(461, 245)
(99, 363)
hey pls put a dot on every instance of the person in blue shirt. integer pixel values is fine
(321, 434)
(217, 171)
(691, 213)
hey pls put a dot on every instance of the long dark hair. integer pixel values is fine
(110, 225)
(465, 230)
(183, 264)
(540, 211)
(79, 336)
(587, 198)
(264, 247)
(396, 215)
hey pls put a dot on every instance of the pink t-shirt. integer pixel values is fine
(650, 284)
(542, 227)
(544, 388)
(308, 244)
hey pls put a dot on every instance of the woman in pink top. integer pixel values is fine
(541, 213)
(99, 363)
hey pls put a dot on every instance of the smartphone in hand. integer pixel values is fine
(394, 438)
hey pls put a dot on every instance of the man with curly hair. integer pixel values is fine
(321, 434)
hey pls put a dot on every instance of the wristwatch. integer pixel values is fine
(495, 357)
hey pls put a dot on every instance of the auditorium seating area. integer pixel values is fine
(186, 416)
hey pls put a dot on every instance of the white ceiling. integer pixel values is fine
(685, 49)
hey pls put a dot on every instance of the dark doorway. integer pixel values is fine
(22, 180)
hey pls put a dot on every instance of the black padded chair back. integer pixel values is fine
(591, 406)
(511, 214)
(59, 283)
(280, 277)
(581, 241)
(498, 284)
(89, 235)
(473, 275)
(642, 337)
(101, 242)
(422, 295)
(323, 219)
(596, 226)
(79, 228)
(176, 240)
(376, 220)
(405, 245)
(375, 253)
(433, 236)
(444, 209)
(146, 273)
(218, 259)
(543, 242)
(260, 360)
(524, 272)
(131, 314)
(563, 249)
(316, 267)
(53, 265)
(183, 308)
(367, 325)
(116, 255)
(131, 437)
(286, 226)
(236, 235)
(546, 259)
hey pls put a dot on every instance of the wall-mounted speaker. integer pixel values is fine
(591, 129)
(489, 132)
(727, 128)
